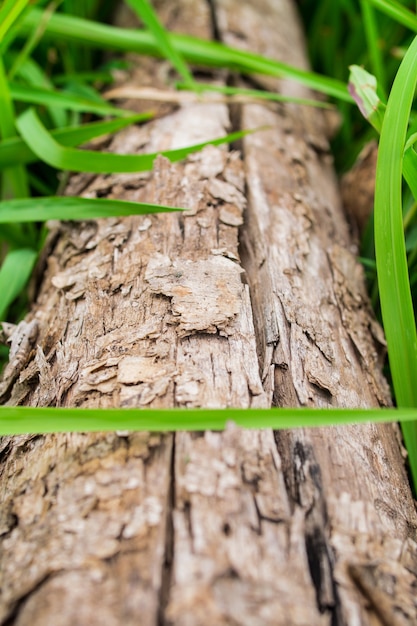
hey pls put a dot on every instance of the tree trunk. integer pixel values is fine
(251, 297)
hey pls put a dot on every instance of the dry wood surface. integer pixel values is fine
(251, 297)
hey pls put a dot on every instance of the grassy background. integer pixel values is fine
(51, 74)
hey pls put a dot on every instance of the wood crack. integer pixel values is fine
(169, 546)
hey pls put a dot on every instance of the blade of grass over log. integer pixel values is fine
(21, 420)
(15, 271)
(257, 94)
(48, 97)
(393, 280)
(397, 12)
(229, 95)
(14, 151)
(47, 149)
(197, 51)
(72, 208)
(148, 16)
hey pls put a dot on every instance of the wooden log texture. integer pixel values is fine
(251, 297)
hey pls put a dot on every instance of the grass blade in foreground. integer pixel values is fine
(14, 274)
(21, 420)
(393, 280)
(72, 208)
(47, 149)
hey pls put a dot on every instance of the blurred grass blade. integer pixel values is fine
(148, 16)
(256, 94)
(21, 420)
(363, 89)
(9, 12)
(33, 38)
(32, 74)
(14, 151)
(51, 98)
(72, 208)
(14, 180)
(393, 280)
(410, 166)
(14, 274)
(194, 50)
(372, 39)
(397, 12)
(47, 149)
(7, 127)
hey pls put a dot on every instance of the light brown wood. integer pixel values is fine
(252, 296)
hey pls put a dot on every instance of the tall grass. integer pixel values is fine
(50, 84)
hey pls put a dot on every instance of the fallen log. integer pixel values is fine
(251, 297)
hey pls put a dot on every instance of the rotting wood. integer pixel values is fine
(240, 527)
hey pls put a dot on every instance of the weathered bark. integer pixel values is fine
(251, 297)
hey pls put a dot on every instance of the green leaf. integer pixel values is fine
(148, 16)
(14, 274)
(370, 24)
(257, 94)
(14, 151)
(14, 180)
(21, 420)
(47, 149)
(410, 166)
(51, 98)
(9, 13)
(393, 280)
(363, 89)
(397, 12)
(32, 74)
(196, 51)
(72, 208)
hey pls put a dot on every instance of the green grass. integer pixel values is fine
(49, 90)
(20, 420)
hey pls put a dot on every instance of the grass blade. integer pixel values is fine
(9, 13)
(51, 98)
(30, 73)
(33, 38)
(14, 274)
(14, 151)
(47, 149)
(372, 39)
(410, 169)
(197, 51)
(148, 16)
(393, 280)
(14, 178)
(72, 208)
(397, 12)
(21, 420)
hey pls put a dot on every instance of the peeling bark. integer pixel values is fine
(251, 297)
